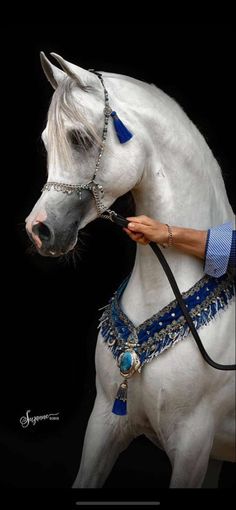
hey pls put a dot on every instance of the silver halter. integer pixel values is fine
(93, 186)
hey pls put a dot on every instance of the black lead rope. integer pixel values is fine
(122, 222)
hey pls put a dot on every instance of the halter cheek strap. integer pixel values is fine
(124, 136)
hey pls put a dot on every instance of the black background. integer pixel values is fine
(51, 307)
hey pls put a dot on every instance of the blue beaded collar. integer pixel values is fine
(132, 346)
(166, 327)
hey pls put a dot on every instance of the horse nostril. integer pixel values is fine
(42, 231)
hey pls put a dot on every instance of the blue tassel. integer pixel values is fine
(119, 407)
(122, 132)
(120, 404)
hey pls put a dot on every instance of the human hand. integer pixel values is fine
(143, 229)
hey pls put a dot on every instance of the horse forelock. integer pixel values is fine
(64, 109)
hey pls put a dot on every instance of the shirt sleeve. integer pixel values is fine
(218, 249)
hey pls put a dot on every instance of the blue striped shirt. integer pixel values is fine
(220, 250)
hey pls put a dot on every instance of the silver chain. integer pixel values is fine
(93, 186)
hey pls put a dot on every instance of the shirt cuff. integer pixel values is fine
(232, 257)
(218, 249)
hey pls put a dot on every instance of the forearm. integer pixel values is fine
(190, 241)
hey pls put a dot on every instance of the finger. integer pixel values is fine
(138, 227)
(140, 219)
(133, 235)
(142, 240)
(137, 237)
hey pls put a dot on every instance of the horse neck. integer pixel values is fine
(181, 185)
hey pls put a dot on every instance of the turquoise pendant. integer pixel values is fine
(128, 363)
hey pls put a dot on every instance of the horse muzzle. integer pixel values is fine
(50, 242)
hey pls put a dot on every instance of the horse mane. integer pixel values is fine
(63, 108)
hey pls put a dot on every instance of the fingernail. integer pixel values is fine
(131, 225)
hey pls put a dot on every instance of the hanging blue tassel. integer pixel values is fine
(119, 407)
(120, 404)
(122, 132)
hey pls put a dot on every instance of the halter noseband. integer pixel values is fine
(93, 186)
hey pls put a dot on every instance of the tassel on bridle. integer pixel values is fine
(122, 132)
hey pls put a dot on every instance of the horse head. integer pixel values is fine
(74, 138)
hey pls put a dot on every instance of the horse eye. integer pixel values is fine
(74, 138)
(79, 142)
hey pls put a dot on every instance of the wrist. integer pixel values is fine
(169, 237)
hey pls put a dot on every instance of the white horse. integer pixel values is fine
(178, 401)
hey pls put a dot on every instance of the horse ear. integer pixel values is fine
(77, 73)
(53, 74)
